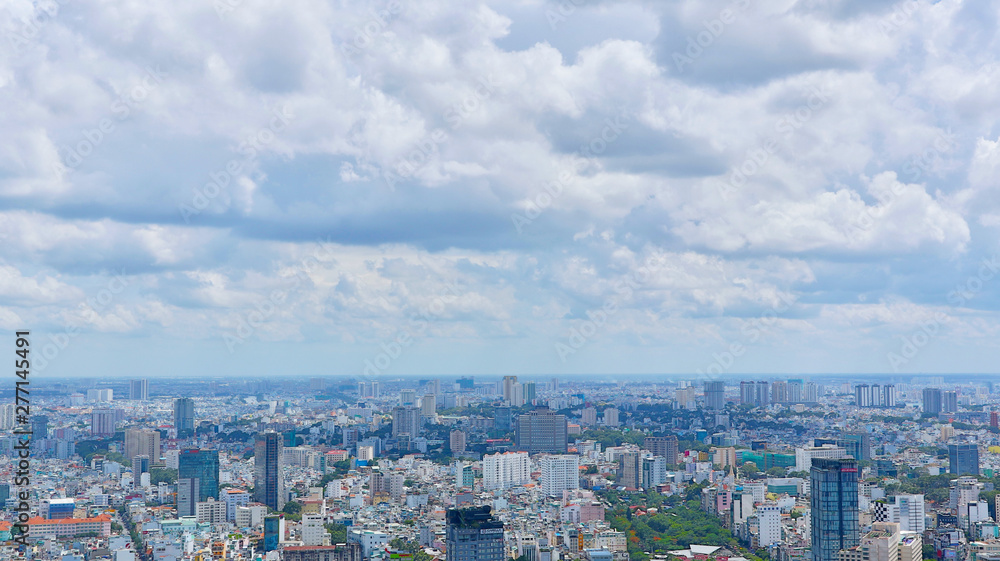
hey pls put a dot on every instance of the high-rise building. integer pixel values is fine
(560, 473)
(769, 524)
(541, 430)
(611, 417)
(795, 388)
(457, 442)
(715, 395)
(142, 441)
(857, 445)
(509, 383)
(274, 531)
(889, 395)
(505, 470)
(503, 418)
(102, 422)
(779, 391)
(963, 459)
(184, 415)
(812, 393)
(863, 395)
(269, 483)
(885, 542)
(834, 507)
(202, 465)
(339, 552)
(949, 402)
(994, 419)
(529, 392)
(473, 534)
(428, 405)
(138, 390)
(408, 398)
(588, 416)
(654, 472)
(187, 496)
(748, 392)
(406, 420)
(665, 446)
(932, 400)
(906, 510)
(140, 465)
(39, 427)
(630, 470)
(763, 393)
(464, 475)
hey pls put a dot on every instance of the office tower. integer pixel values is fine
(39, 427)
(763, 393)
(140, 465)
(654, 472)
(630, 470)
(406, 420)
(457, 442)
(473, 534)
(202, 465)
(464, 475)
(889, 395)
(184, 415)
(505, 470)
(102, 422)
(932, 400)
(187, 496)
(715, 395)
(748, 393)
(779, 391)
(274, 531)
(509, 383)
(963, 459)
(269, 484)
(428, 405)
(665, 446)
(408, 398)
(795, 391)
(834, 507)
(529, 392)
(949, 402)
(541, 430)
(769, 524)
(138, 390)
(560, 473)
(503, 418)
(857, 445)
(611, 417)
(142, 441)
(588, 416)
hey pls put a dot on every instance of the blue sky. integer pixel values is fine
(529, 187)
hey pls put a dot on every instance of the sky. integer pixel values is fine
(304, 187)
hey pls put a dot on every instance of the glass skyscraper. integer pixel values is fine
(202, 465)
(268, 484)
(834, 504)
(473, 534)
(963, 459)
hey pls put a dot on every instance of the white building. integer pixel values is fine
(506, 470)
(560, 473)
(234, 498)
(369, 540)
(250, 516)
(210, 511)
(611, 417)
(769, 521)
(313, 532)
(805, 456)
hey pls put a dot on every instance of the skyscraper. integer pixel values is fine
(138, 390)
(932, 400)
(269, 484)
(763, 393)
(202, 465)
(529, 392)
(102, 422)
(541, 430)
(473, 534)
(505, 470)
(949, 402)
(508, 389)
(779, 391)
(406, 420)
(560, 473)
(748, 392)
(963, 459)
(184, 415)
(715, 395)
(834, 505)
(39, 427)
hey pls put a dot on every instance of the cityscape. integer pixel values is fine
(529, 469)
